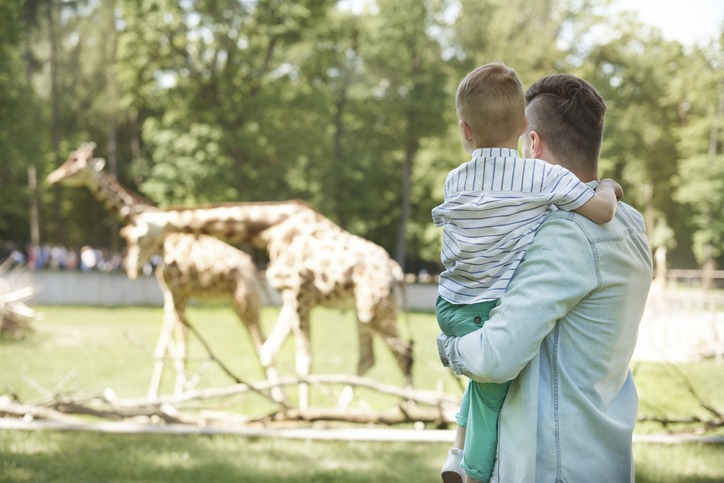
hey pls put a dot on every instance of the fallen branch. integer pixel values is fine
(690, 387)
(12, 409)
(398, 415)
(15, 290)
(415, 406)
(420, 396)
(708, 424)
(717, 417)
(226, 369)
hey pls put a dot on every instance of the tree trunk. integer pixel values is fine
(112, 115)
(401, 249)
(34, 216)
(113, 168)
(55, 121)
(709, 262)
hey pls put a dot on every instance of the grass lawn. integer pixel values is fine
(72, 457)
(83, 350)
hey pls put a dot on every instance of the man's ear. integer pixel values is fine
(536, 144)
(466, 131)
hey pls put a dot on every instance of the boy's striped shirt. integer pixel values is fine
(493, 206)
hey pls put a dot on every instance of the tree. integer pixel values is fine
(20, 143)
(406, 62)
(700, 179)
(82, 93)
(214, 78)
(634, 73)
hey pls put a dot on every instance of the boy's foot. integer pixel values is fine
(452, 472)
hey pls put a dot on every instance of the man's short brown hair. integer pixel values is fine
(568, 113)
(491, 100)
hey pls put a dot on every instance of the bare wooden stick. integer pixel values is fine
(421, 396)
(16, 410)
(228, 371)
(438, 407)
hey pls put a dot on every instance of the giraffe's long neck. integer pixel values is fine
(116, 198)
(236, 222)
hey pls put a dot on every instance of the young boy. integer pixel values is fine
(492, 206)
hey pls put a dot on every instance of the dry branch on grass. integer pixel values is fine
(715, 421)
(15, 290)
(415, 406)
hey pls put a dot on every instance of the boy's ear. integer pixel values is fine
(466, 131)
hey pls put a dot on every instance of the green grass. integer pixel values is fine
(72, 457)
(96, 348)
(83, 350)
(663, 393)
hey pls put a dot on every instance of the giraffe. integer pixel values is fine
(193, 266)
(312, 261)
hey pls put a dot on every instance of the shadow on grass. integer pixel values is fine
(94, 457)
(679, 463)
(74, 457)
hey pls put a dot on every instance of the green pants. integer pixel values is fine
(481, 402)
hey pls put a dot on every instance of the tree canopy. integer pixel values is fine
(346, 105)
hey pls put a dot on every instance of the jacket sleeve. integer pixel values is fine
(559, 270)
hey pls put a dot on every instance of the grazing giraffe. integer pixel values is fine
(192, 266)
(312, 261)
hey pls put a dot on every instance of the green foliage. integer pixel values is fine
(700, 179)
(705, 196)
(17, 140)
(189, 167)
(200, 101)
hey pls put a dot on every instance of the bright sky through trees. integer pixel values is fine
(688, 21)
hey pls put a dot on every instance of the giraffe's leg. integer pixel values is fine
(273, 344)
(247, 305)
(386, 326)
(303, 353)
(366, 349)
(180, 354)
(294, 318)
(378, 315)
(365, 360)
(162, 349)
(164, 345)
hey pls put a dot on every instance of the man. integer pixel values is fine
(566, 328)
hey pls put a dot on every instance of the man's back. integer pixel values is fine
(577, 391)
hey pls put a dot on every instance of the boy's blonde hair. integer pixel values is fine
(492, 101)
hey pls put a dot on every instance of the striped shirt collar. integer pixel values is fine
(492, 152)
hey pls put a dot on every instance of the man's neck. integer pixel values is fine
(586, 177)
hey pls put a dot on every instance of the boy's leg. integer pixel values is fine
(452, 471)
(481, 438)
(459, 320)
(459, 442)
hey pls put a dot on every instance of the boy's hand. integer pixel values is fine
(617, 190)
(441, 342)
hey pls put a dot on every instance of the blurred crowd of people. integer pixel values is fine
(47, 257)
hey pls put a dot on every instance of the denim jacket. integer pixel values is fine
(565, 331)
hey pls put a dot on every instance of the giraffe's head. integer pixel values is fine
(79, 168)
(143, 241)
